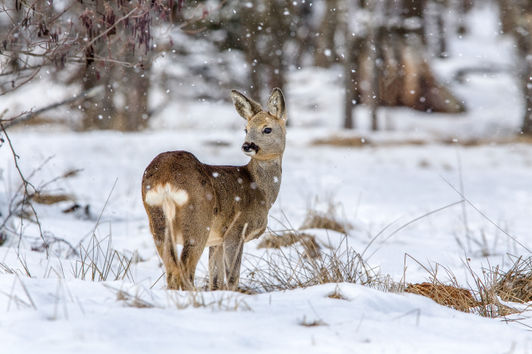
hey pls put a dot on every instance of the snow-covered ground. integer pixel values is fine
(46, 306)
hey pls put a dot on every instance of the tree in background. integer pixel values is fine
(107, 44)
(516, 20)
(523, 34)
(385, 47)
(391, 65)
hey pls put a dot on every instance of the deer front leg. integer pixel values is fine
(233, 247)
(157, 228)
(216, 267)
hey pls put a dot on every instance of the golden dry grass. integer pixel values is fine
(360, 141)
(337, 294)
(276, 241)
(447, 295)
(481, 297)
(321, 220)
(342, 141)
(49, 199)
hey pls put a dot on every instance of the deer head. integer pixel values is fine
(265, 130)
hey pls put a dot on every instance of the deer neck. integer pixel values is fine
(267, 175)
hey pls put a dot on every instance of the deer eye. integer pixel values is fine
(246, 130)
(267, 130)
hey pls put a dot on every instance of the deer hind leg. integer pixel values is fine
(157, 228)
(170, 259)
(195, 234)
(233, 247)
(216, 267)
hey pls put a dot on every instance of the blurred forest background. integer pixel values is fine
(104, 52)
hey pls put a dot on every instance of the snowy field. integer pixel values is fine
(399, 199)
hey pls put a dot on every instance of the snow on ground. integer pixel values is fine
(374, 188)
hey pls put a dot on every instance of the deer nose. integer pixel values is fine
(247, 147)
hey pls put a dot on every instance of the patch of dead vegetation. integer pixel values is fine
(481, 299)
(311, 323)
(447, 295)
(325, 220)
(317, 220)
(307, 241)
(291, 268)
(342, 141)
(216, 143)
(360, 141)
(49, 199)
(337, 295)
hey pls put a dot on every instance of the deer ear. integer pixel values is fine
(246, 107)
(276, 105)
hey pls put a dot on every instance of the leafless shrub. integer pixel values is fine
(515, 284)
(20, 204)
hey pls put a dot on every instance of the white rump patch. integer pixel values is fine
(168, 197)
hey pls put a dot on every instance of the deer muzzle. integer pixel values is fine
(250, 148)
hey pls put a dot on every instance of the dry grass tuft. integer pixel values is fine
(480, 299)
(292, 268)
(312, 323)
(448, 295)
(315, 220)
(181, 300)
(49, 199)
(337, 294)
(132, 300)
(99, 261)
(515, 285)
(325, 220)
(212, 300)
(360, 141)
(342, 141)
(276, 241)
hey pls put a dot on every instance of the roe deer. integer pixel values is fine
(198, 205)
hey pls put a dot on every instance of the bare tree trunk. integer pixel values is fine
(516, 18)
(507, 15)
(441, 33)
(464, 6)
(134, 84)
(349, 66)
(375, 36)
(413, 12)
(325, 54)
(16, 17)
(250, 41)
(98, 113)
(523, 34)
(278, 33)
